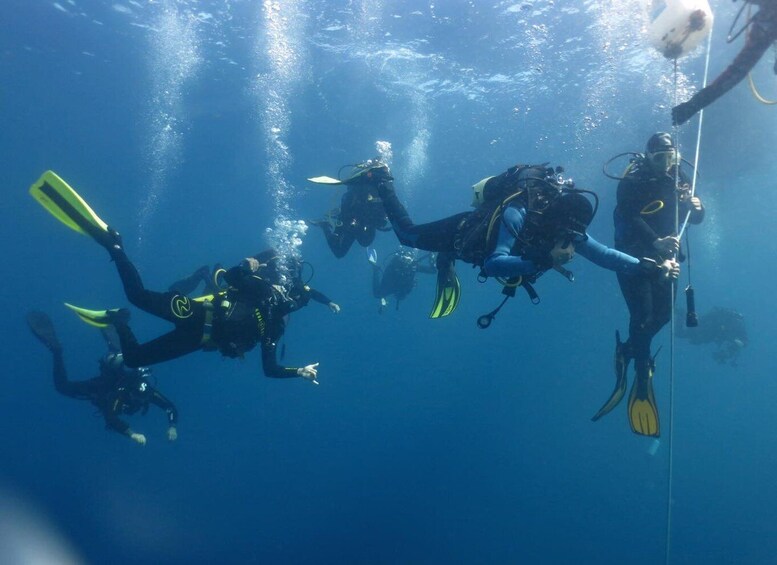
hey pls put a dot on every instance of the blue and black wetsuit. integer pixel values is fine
(505, 260)
(502, 263)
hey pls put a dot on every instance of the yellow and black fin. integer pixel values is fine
(66, 205)
(621, 382)
(643, 411)
(448, 293)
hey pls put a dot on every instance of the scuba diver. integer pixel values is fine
(761, 33)
(285, 273)
(527, 220)
(117, 390)
(360, 214)
(645, 217)
(249, 312)
(723, 327)
(397, 277)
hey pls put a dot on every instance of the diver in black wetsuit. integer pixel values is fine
(116, 391)
(644, 219)
(761, 33)
(397, 278)
(723, 327)
(249, 312)
(360, 214)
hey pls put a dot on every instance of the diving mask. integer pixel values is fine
(663, 160)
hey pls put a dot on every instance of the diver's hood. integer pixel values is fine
(571, 211)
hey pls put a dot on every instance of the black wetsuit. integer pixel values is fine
(645, 211)
(762, 32)
(249, 313)
(114, 392)
(361, 214)
(398, 277)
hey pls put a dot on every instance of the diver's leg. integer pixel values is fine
(434, 236)
(340, 240)
(637, 293)
(377, 277)
(365, 236)
(189, 284)
(174, 344)
(170, 306)
(61, 384)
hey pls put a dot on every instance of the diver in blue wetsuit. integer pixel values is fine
(527, 220)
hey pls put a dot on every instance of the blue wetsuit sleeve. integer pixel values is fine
(607, 257)
(500, 263)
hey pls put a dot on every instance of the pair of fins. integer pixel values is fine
(642, 408)
(448, 291)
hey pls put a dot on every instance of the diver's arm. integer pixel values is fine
(112, 421)
(500, 263)
(629, 208)
(165, 404)
(158, 399)
(615, 260)
(762, 33)
(608, 257)
(270, 364)
(318, 296)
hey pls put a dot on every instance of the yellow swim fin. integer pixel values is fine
(97, 318)
(621, 368)
(448, 293)
(643, 412)
(66, 205)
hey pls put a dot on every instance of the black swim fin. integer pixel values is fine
(43, 329)
(448, 293)
(643, 412)
(621, 367)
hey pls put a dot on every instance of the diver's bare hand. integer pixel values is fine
(140, 439)
(669, 244)
(670, 269)
(309, 372)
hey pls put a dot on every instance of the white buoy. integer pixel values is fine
(678, 26)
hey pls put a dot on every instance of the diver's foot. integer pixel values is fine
(117, 316)
(112, 241)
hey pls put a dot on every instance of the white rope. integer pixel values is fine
(680, 233)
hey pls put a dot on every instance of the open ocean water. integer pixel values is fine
(191, 126)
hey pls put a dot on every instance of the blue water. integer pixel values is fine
(192, 125)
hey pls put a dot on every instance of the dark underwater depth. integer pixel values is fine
(192, 126)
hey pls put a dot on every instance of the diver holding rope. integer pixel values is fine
(645, 225)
